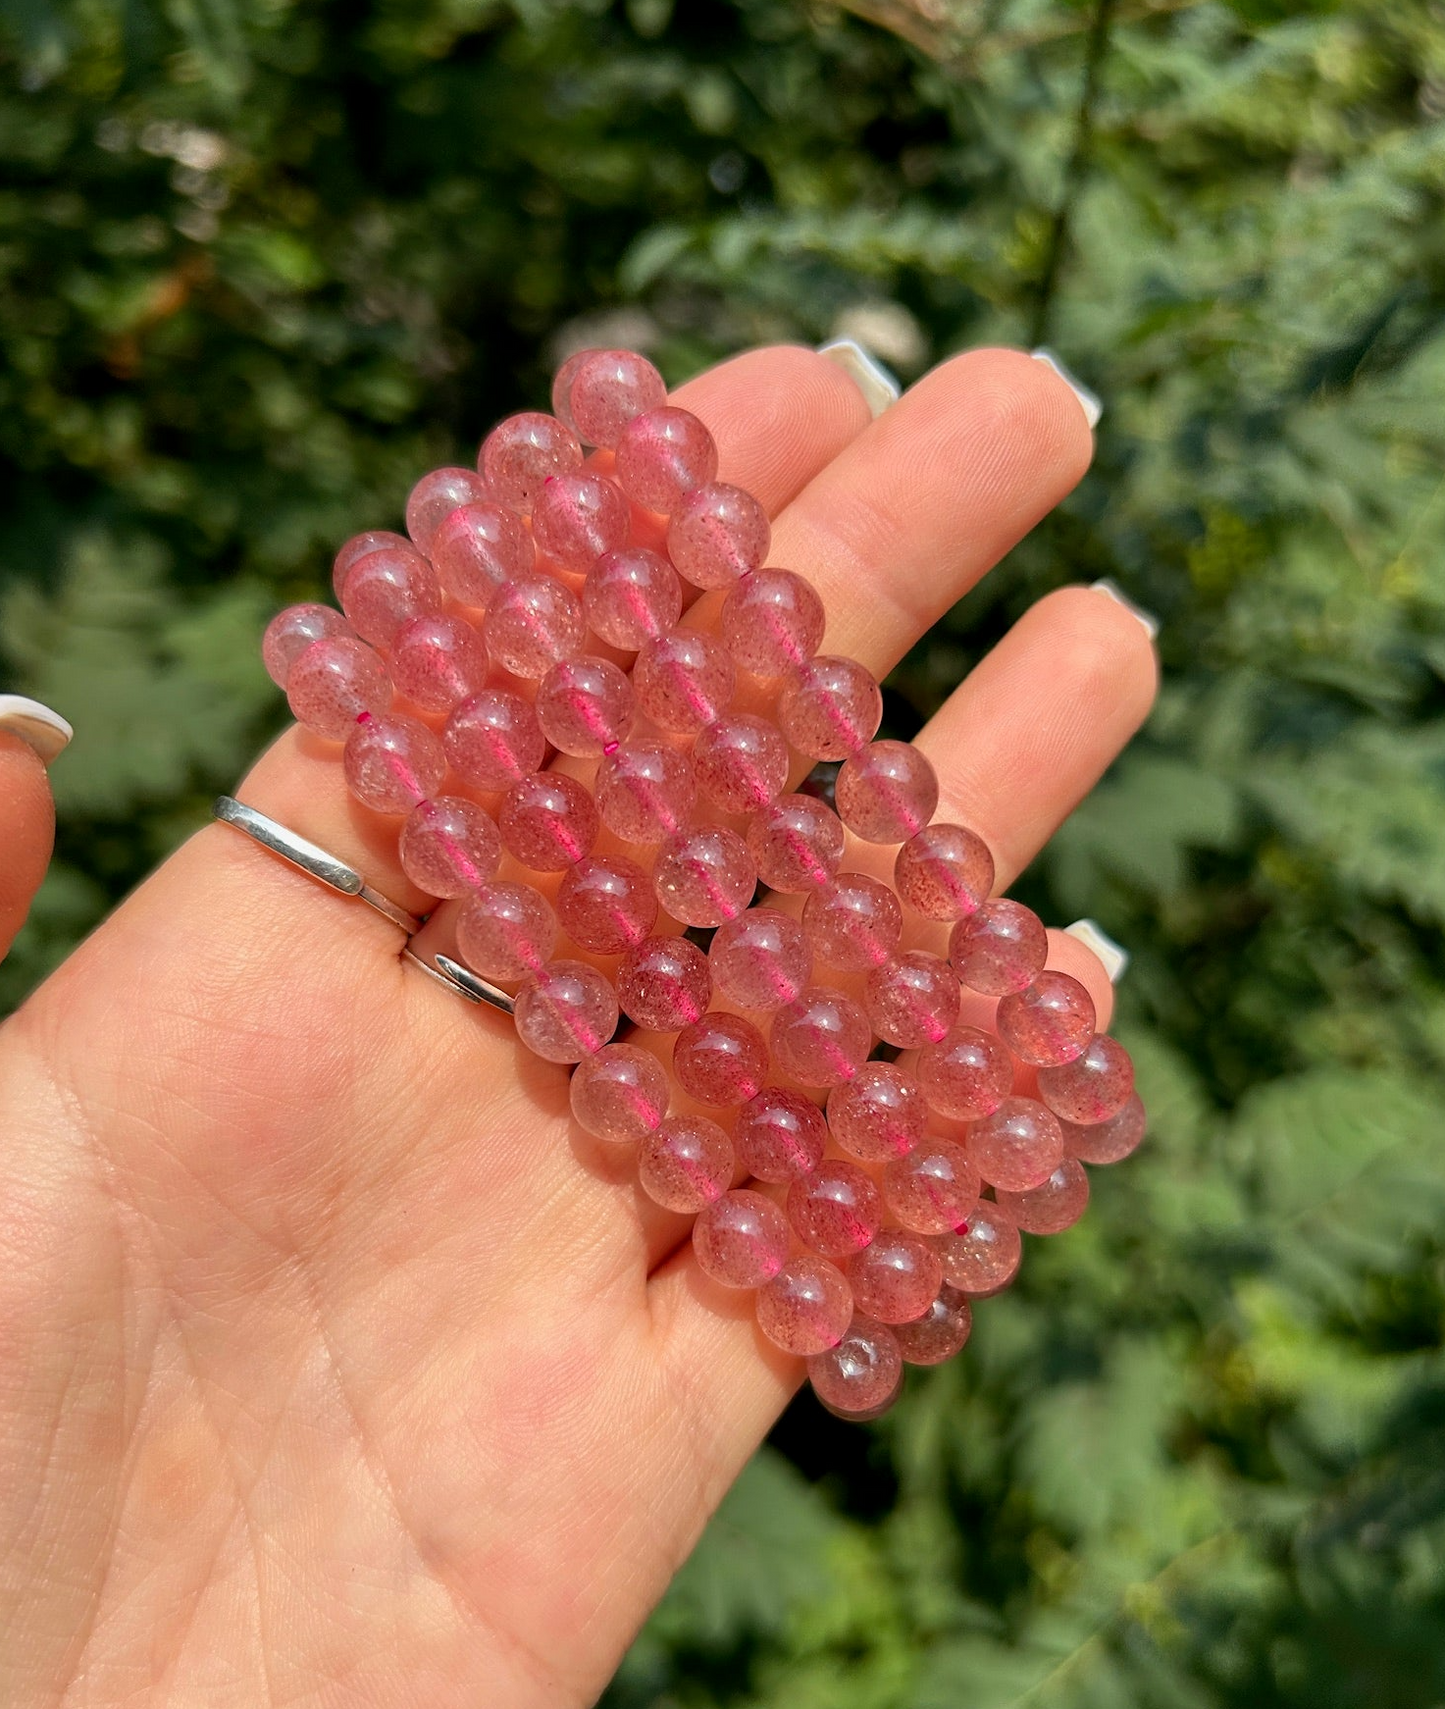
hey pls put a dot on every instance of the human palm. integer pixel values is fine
(336, 1364)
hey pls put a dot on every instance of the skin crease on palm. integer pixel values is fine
(337, 1366)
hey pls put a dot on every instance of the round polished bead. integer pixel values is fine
(942, 1331)
(609, 389)
(797, 842)
(479, 547)
(631, 596)
(392, 762)
(562, 386)
(1049, 1023)
(830, 708)
(685, 1163)
(585, 706)
(719, 534)
(741, 1239)
(853, 923)
(387, 588)
(606, 904)
(859, 1378)
(565, 1011)
(506, 931)
(780, 1135)
(807, 1307)
(291, 632)
(1108, 1141)
(1017, 1147)
(522, 452)
(1093, 1087)
(933, 1188)
(836, 1209)
(532, 623)
(943, 872)
(741, 763)
(548, 821)
(435, 496)
(967, 1074)
(704, 875)
(721, 1059)
(886, 792)
(358, 547)
(895, 1277)
(1054, 1205)
(449, 846)
(912, 999)
(683, 680)
(619, 1093)
(493, 739)
(821, 1037)
(773, 622)
(663, 984)
(437, 660)
(983, 1256)
(578, 517)
(645, 791)
(878, 1114)
(1000, 948)
(760, 959)
(662, 456)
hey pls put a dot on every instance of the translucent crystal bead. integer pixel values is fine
(943, 872)
(449, 846)
(878, 1114)
(291, 632)
(663, 984)
(685, 1163)
(719, 534)
(578, 517)
(797, 842)
(479, 547)
(1091, 1088)
(506, 931)
(807, 1307)
(933, 1189)
(836, 1210)
(983, 1256)
(830, 708)
(1000, 948)
(358, 547)
(619, 1093)
(521, 453)
(886, 792)
(662, 456)
(605, 904)
(435, 496)
(895, 1277)
(912, 999)
(772, 622)
(392, 762)
(741, 763)
(493, 739)
(1055, 1205)
(645, 791)
(780, 1135)
(1017, 1147)
(721, 1059)
(387, 588)
(853, 923)
(1050, 1023)
(942, 1331)
(585, 706)
(821, 1037)
(967, 1074)
(859, 1378)
(609, 389)
(562, 386)
(741, 1239)
(548, 821)
(631, 596)
(437, 660)
(565, 1011)
(704, 875)
(683, 680)
(1109, 1141)
(760, 959)
(532, 623)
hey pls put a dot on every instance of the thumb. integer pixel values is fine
(31, 735)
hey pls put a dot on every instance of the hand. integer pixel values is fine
(30, 736)
(336, 1365)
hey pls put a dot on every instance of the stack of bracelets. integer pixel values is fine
(539, 605)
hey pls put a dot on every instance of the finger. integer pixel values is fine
(27, 831)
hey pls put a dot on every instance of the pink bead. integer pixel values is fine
(912, 999)
(493, 739)
(942, 1331)
(821, 1037)
(1109, 1141)
(967, 1074)
(878, 1114)
(532, 623)
(548, 821)
(772, 622)
(836, 1210)
(895, 1277)
(565, 1011)
(741, 1239)
(392, 762)
(578, 517)
(943, 872)
(435, 496)
(853, 923)
(449, 846)
(1019, 1146)
(720, 1059)
(886, 792)
(807, 1307)
(1091, 1088)
(719, 534)
(477, 548)
(631, 596)
(437, 660)
(663, 456)
(358, 547)
(385, 589)
(645, 791)
(741, 763)
(585, 706)
(860, 1377)
(982, 1257)
(933, 1189)
(506, 931)
(619, 1093)
(1050, 1023)
(663, 984)
(291, 632)
(1055, 1205)
(609, 389)
(797, 842)
(520, 454)
(1000, 948)
(830, 708)
(562, 386)
(605, 904)
(780, 1135)
(685, 1163)
(704, 876)
(760, 959)
(683, 680)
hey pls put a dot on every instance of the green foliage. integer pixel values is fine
(263, 260)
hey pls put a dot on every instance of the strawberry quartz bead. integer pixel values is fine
(547, 821)
(493, 739)
(663, 984)
(836, 1210)
(437, 660)
(933, 1189)
(578, 517)
(619, 1093)
(358, 547)
(1053, 1206)
(912, 999)
(704, 876)
(435, 496)
(610, 388)
(780, 1135)
(853, 923)
(983, 1256)
(506, 931)
(966, 1075)
(942, 1331)
(1000, 948)
(860, 1377)
(830, 708)
(606, 904)
(645, 791)
(532, 623)
(821, 1037)
(895, 1277)
(562, 386)
(943, 872)
(886, 792)
(797, 842)
(1017, 1147)
(1110, 1141)
(387, 588)
(521, 453)
(291, 632)
(760, 959)
(392, 762)
(719, 534)
(683, 680)
(565, 1011)
(1091, 1088)
(878, 1114)
(720, 1060)
(631, 596)
(662, 456)
(741, 1239)
(585, 706)
(740, 762)
(807, 1307)
(685, 1163)
(1050, 1023)
(477, 548)
(449, 846)
(772, 622)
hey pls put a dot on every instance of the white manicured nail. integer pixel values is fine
(1114, 957)
(878, 386)
(1093, 407)
(46, 731)
(1117, 594)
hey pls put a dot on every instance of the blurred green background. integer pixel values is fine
(261, 261)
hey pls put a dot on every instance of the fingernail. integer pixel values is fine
(878, 386)
(1114, 957)
(1117, 594)
(46, 731)
(1093, 408)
